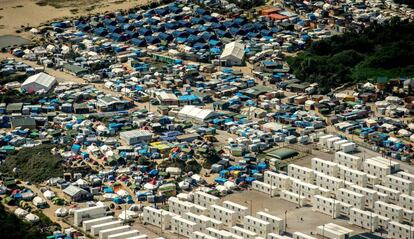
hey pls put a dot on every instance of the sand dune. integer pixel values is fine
(17, 13)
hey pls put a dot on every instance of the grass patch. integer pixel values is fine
(34, 164)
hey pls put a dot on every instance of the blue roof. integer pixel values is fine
(188, 98)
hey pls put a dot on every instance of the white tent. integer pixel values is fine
(39, 202)
(233, 54)
(39, 82)
(49, 194)
(61, 212)
(122, 193)
(196, 113)
(3, 189)
(20, 213)
(31, 218)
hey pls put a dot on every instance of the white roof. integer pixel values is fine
(233, 49)
(338, 230)
(42, 79)
(194, 112)
(167, 96)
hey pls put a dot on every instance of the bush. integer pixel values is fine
(12, 227)
(34, 164)
(380, 50)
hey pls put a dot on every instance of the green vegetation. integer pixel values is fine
(12, 227)
(379, 51)
(248, 4)
(408, 2)
(34, 164)
(15, 96)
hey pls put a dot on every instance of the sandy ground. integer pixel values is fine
(17, 13)
(262, 202)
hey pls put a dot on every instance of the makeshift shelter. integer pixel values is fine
(283, 153)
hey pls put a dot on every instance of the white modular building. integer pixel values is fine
(328, 182)
(204, 199)
(391, 211)
(326, 167)
(86, 225)
(142, 237)
(179, 207)
(408, 215)
(293, 197)
(393, 195)
(371, 196)
(348, 160)
(300, 235)
(383, 221)
(276, 224)
(301, 173)
(323, 139)
(259, 226)
(183, 226)
(157, 217)
(203, 221)
(244, 233)
(334, 231)
(278, 180)
(405, 175)
(226, 216)
(200, 235)
(364, 219)
(88, 213)
(348, 185)
(305, 189)
(124, 235)
(219, 234)
(264, 188)
(348, 147)
(331, 141)
(406, 201)
(397, 183)
(276, 236)
(345, 208)
(95, 229)
(104, 234)
(397, 230)
(380, 167)
(337, 144)
(352, 175)
(347, 196)
(326, 206)
(240, 210)
(372, 180)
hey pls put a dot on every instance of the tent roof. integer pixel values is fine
(234, 49)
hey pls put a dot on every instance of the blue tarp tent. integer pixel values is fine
(76, 148)
(119, 200)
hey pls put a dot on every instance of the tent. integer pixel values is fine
(118, 200)
(61, 212)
